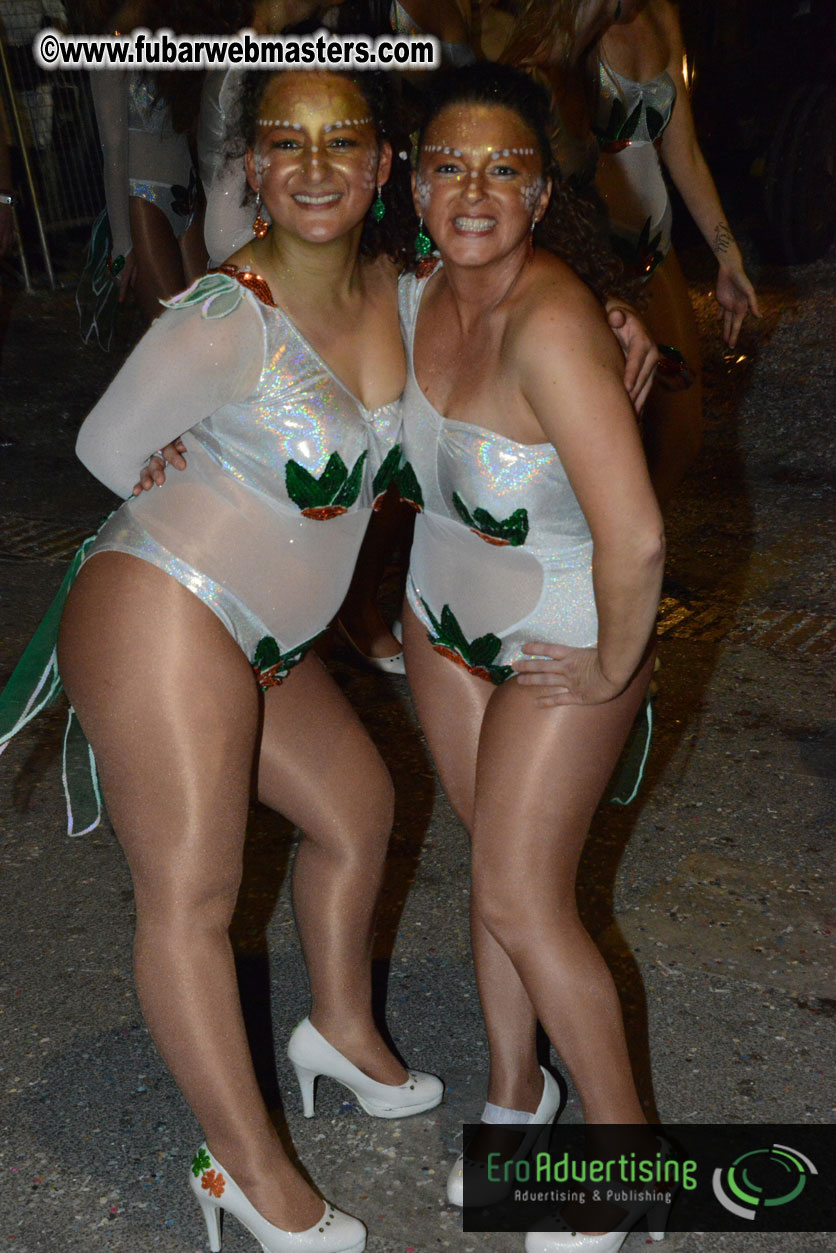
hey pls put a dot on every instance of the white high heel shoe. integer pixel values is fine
(312, 1055)
(563, 1240)
(484, 1191)
(560, 1239)
(216, 1190)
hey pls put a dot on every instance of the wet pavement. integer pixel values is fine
(713, 896)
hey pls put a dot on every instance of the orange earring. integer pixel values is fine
(260, 226)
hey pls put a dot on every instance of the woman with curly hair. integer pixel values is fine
(535, 574)
(285, 369)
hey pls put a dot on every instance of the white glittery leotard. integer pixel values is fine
(284, 464)
(502, 553)
(143, 155)
(630, 122)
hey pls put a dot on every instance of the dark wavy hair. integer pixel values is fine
(395, 233)
(571, 227)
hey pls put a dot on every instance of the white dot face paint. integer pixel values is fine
(479, 182)
(317, 157)
(530, 192)
(423, 191)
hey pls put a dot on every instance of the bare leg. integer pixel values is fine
(174, 742)
(159, 263)
(390, 527)
(538, 779)
(336, 787)
(673, 421)
(451, 705)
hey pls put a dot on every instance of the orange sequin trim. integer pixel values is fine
(248, 278)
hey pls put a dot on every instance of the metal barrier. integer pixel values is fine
(52, 131)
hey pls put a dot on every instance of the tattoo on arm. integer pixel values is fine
(723, 238)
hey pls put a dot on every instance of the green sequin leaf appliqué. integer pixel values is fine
(620, 129)
(200, 1162)
(477, 656)
(410, 488)
(271, 665)
(655, 121)
(329, 495)
(512, 530)
(388, 472)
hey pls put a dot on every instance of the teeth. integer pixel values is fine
(475, 224)
(317, 199)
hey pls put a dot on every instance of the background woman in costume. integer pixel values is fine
(289, 365)
(145, 121)
(634, 96)
(539, 534)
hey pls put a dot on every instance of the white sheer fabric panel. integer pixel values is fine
(183, 369)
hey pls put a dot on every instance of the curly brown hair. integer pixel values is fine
(571, 227)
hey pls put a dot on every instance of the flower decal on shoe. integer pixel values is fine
(477, 656)
(213, 1182)
(329, 495)
(512, 530)
(200, 1162)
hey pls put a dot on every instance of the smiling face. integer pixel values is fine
(479, 183)
(316, 159)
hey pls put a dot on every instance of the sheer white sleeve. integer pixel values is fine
(190, 362)
(110, 100)
(228, 222)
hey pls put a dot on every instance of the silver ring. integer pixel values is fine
(158, 453)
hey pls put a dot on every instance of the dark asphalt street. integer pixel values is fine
(713, 896)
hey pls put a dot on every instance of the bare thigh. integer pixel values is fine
(317, 763)
(450, 704)
(159, 261)
(170, 707)
(673, 420)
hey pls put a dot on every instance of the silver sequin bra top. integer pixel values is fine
(631, 119)
(502, 551)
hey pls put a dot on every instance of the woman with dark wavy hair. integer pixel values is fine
(534, 579)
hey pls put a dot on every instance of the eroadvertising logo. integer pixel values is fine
(756, 1177)
(762, 1177)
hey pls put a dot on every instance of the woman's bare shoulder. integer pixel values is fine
(553, 302)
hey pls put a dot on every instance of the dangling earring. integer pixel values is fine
(260, 226)
(378, 207)
(423, 243)
(529, 255)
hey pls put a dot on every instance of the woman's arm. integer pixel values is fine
(571, 375)
(182, 370)
(110, 100)
(688, 169)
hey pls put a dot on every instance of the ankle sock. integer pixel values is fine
(496, 1115)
